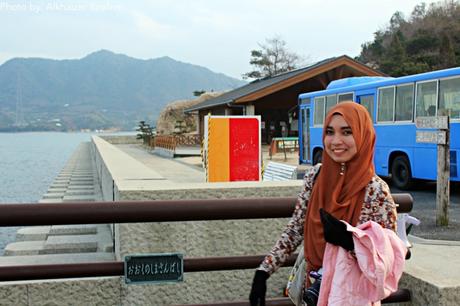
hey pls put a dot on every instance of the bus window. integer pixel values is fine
(386, 104)
(306, 133)
(449, 97)
(426, 99)
(368, 103)
(305, 101)
(404, 102)
(330, 102)
(319, 111)
(345, 97)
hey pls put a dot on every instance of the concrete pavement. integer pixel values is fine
(173, 170)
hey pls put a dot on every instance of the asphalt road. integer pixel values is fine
(424, 194)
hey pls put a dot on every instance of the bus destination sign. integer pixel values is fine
(438, 137)
(439, 122)
(154, 268)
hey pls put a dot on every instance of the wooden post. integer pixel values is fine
(284, 149)
(443, 181)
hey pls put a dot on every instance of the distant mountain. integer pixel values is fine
(102, 90)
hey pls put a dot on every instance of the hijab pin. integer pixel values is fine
(342, 168)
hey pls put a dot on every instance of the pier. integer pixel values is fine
(128, 172)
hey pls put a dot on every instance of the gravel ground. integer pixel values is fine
(424, 209)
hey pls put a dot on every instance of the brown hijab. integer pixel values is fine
(340, 195)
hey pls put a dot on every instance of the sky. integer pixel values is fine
(217, 34)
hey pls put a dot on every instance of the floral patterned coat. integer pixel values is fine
(378, 206)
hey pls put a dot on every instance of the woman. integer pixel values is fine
(344, 187)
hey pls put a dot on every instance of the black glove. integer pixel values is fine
(335, 231)
(259, 287)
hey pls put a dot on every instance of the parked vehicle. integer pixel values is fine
(393, 104)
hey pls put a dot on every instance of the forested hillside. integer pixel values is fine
(428, 39)
(103, 90)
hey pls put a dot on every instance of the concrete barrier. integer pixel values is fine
(193, 239)
(114, 166)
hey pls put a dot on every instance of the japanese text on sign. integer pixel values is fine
(438, 137)
(153, 268)
(439, 122)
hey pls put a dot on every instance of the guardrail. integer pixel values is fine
(188, 140)
(166, 142)
(171, 142)
(155, 211)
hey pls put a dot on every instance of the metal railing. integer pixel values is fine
(188, 140)
(154, 211)
(171, 142)
(166, 142)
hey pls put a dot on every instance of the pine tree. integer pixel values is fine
(271, 59)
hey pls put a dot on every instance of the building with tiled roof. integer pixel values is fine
(275, 98)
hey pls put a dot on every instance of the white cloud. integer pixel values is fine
(150, 27)
(216, 34)
(217, 20)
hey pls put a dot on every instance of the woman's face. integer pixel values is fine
(339, 142)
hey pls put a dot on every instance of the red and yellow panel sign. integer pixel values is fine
(233, 148)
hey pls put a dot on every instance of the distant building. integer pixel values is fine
(275, 98)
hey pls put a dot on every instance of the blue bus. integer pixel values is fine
(393, 104)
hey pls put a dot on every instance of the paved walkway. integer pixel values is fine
(189, 169)
(174, 170)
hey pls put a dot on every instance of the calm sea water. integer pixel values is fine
(29, 163)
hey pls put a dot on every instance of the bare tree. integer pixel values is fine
(271, 59)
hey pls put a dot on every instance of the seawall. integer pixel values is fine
(131, 180)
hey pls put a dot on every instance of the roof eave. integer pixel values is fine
(344, 59)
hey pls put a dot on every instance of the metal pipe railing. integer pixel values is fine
(155, 211)
(116, 268)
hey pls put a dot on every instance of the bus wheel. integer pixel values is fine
(317, 157)
(401, 175)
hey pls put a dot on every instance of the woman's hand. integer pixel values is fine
(335, 231)
(259, 288)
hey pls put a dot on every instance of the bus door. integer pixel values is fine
(305, 136)
(367, 100)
